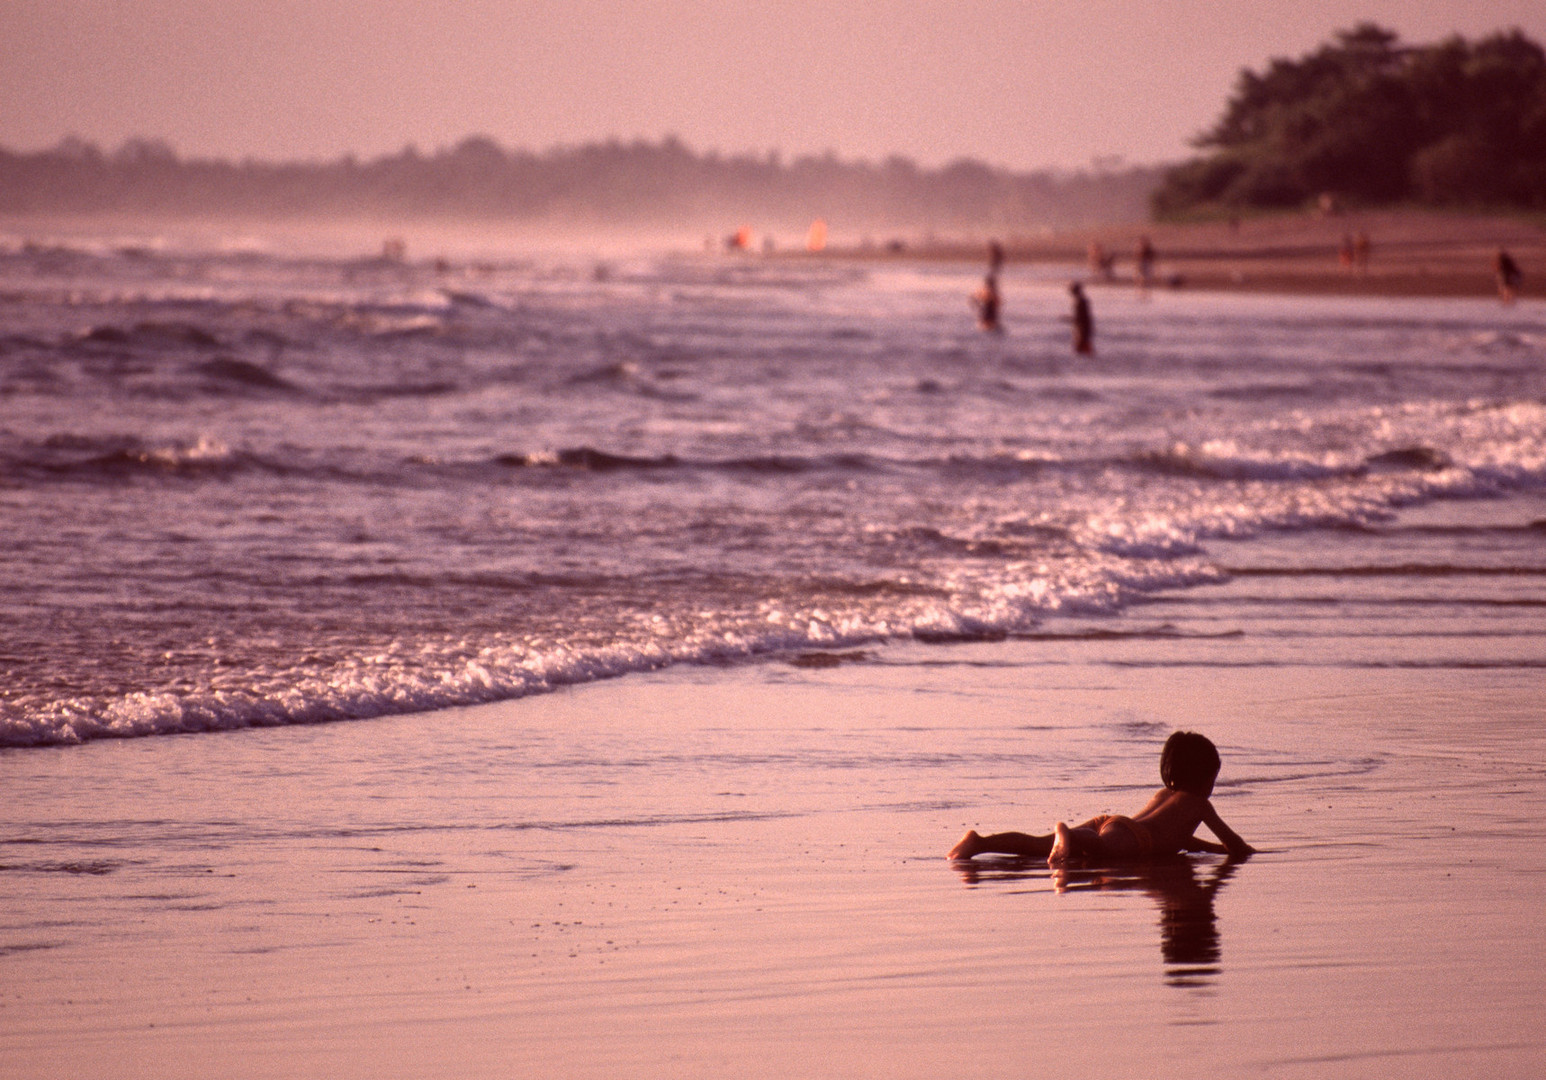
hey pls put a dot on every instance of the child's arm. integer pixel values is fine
(1233, 845)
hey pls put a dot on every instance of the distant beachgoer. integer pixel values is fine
(1508, 274)
(986, 300)
(1362, 246)
(1189, 767)
(816, 239)
(1083, 320)
(1345, 253)
(1144, 255)
(740, 240)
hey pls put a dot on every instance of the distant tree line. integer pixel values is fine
(615, 183)
(1367, 120)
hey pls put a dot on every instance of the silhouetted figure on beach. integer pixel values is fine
(1144, 256)
(1362, 247)
(986, 300)
(1508, 274)
(1345, 253)
(1083, 320)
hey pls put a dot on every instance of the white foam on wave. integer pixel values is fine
(205, 450)
(427, 677)
(1226, 459)
(1119, 555)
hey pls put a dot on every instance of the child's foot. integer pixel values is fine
(1061, 847)
(971, 844)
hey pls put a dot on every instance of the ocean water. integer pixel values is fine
(246, 488)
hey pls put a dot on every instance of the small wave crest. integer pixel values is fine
(1220, 462)
(225, 372)
(152, 335)
(590, 459)
(586, 458)
(92, 457)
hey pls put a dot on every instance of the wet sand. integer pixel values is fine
(1411, 253)
(739, 872)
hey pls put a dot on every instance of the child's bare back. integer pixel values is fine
(1166, 825)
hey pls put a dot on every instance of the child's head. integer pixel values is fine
(1189, 763)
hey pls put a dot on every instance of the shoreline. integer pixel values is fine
(1410, 254)
(1413, 253)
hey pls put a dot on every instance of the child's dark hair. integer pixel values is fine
(1189, 762)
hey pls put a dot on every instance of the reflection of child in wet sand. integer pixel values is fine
(1189, 765)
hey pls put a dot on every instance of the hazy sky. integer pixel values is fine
(1024, 83)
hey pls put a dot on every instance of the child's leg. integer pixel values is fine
(1072, 844)
(1004, 843)
(1014, 843)
(1100, 838)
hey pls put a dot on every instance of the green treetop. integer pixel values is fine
(1371, 121)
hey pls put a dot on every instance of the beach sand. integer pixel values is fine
(1411, 253)
(710, 872)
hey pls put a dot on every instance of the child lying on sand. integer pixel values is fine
(1189, 765)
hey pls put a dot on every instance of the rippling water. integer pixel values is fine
(249, 489)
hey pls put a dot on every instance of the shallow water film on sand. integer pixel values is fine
(253, 489)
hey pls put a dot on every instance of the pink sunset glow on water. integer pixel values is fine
(442, 640)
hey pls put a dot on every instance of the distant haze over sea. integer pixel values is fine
(616, 184)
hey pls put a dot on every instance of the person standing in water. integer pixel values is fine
(1083, 320)
(986, 299)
